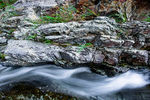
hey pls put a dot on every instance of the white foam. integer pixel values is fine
(74, 81)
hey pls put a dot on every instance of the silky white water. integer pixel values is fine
(80, 81)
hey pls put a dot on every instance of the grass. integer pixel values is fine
(81, 47)
(32, 37)
(66, 14)
(147, 19)
(4, 3)
(119, 18)
(2, 56)
(48, 41)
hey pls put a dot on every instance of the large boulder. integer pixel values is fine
(25, 52)
(100, 25)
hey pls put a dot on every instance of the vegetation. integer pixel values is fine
(147, 19)
(119, 17)
(2, 56)
(67, 14)
(7, 13)
(81, 47)
(32, 37)
(48, 41)
(4, 3)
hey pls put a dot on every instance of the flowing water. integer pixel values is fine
(79, 82)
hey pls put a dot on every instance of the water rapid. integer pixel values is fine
(79, 81)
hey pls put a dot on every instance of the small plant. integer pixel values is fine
(48, 41)
(147, 19)
(2, 56)
(119, 17)
(62, 14)
(81, 47)
(32, 37)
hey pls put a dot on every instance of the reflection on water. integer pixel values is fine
(79, 82)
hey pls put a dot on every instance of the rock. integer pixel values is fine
(21, 34)
(34, 8)
(31, 14)
(149, 58)
(134, 57)
(111, 43)
(3, 40)
(98, 57)
(41, 3)
(60, 2)
(97, 26)
(56, 37)
(128, 43)
(138, 31)
(2, 48)
(75, 40)
(23, 53)
(79, 32)
(86, 55)
(107, 41)
(111, 56)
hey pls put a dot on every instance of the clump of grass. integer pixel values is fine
(32, 37)
(48, 41)
(147, 19)
(67, 14)
(119, 17)
(2, 56)
(81, 47)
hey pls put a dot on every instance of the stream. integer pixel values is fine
(79, 82)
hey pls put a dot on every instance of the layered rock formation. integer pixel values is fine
(110, 43)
